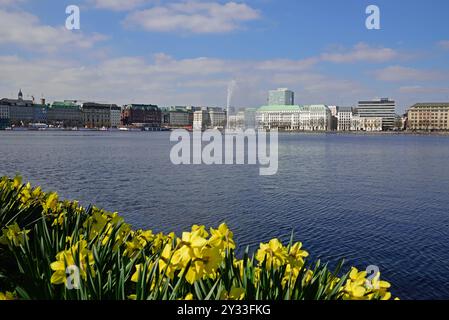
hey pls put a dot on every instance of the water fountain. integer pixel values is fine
(231, 87)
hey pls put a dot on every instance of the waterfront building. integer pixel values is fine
(237, 121)
(294, 118)
(379, 108)
(429, 117)
(217, 118)
(165, 117)
(180, 118)
(201, 119)
(315, 118)
(116, 116)
(40, 113)
(281, 117)
(280, 97)
(20, 112)
(344, 119)
(142, 115)
(97, 115)
(65, 114)
(4, 117)
(4, 123)
(4, 111)
(368, 124)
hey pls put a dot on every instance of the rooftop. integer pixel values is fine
(64, 104)
(142, 106)
(431, 104)
(15, 102)
(279, 108)
(292, 108)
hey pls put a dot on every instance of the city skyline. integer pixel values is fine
(188, 56)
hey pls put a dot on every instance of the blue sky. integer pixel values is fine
(186, 52)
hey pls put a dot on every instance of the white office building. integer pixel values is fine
(344, 119)
(379, 108)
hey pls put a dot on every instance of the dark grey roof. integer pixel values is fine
(345, 109)
(15, 102)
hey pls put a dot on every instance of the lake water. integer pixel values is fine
(373, 200)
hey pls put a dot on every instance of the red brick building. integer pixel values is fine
(142, 115)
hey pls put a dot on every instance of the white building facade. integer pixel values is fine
(344, 119)
(294, 118)
(201, 120)
(371, 124)
(217, 119)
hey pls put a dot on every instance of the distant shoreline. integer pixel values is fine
(355, 133)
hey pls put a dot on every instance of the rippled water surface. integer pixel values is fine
(374, 200)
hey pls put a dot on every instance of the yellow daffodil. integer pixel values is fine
(165, 264)
(201, 231)
(274, 253)
(222, 237)
(379, 287)
(296, 255)
(17, 182)
(77, 255)
(235, 294)
(7, 296)
(138, 242)
(355, 286)
(135, 277)
(211, 259)
(51, 203)
(188, 297)
(13, 235)
(25, 194)
(186, 252)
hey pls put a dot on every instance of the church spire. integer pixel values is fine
(20, 94)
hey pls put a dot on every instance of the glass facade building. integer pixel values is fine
(281, 97)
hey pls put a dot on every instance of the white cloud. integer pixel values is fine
(165, 80)
(444, 44)
(423, 90)
(118, 5)
(361, 52)
(398, 73)
(25, 30)
(280, 65)
(4, 3)
(194, 17)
